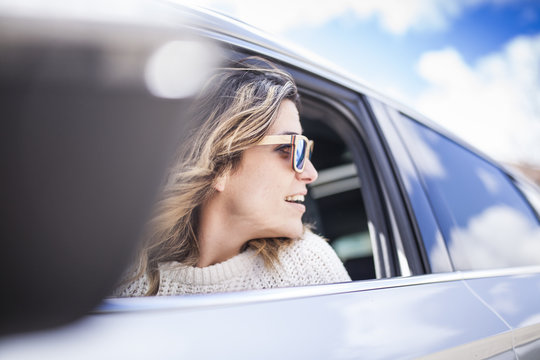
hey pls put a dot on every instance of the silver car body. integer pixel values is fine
(441, 314)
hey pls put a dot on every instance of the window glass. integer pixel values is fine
(485, 220)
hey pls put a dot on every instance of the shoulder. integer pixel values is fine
(134, 287)
(313, 255)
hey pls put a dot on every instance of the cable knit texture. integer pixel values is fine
(307, 261)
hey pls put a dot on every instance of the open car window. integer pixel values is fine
(335, 206)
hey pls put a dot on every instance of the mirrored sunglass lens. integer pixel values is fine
(300, 153)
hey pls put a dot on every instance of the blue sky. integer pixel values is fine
(471, 65)
(365, 48)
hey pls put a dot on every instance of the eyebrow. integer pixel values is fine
(291, 133)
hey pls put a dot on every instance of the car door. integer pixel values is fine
(399, 237)
(486, 227)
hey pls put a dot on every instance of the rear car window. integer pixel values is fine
(485, 220)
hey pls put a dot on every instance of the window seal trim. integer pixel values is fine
(201, 301)
(409, 232)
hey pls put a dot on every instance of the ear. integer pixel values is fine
(221, 182)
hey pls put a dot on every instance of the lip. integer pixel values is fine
(299, 207)
(303, 193)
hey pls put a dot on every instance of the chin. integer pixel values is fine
(294, 231)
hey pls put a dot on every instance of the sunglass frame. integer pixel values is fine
(294, 140)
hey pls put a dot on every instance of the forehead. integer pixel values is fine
(287, 120)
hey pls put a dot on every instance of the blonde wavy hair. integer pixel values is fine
(236, 108)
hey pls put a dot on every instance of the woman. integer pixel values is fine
(231, 214)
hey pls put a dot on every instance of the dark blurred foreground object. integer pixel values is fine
(84, 147)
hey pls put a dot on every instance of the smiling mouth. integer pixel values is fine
(296, 199)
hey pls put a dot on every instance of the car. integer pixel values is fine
(441, 241)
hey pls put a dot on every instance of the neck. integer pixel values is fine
(220, 238)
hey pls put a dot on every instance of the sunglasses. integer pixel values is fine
(301, 148)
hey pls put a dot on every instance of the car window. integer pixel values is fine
(485, 220)
(336, 206)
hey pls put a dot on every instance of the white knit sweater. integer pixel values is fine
(309, 260)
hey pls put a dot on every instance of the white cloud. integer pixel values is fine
(395, 16)
(493, 104)
(498, 237)
(377, 329)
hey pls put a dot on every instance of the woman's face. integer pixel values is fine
(260, 191)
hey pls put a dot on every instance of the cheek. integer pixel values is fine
(265, 187)
(264, 179)
(266, 192)
(252, 188)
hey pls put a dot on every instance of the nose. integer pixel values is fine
(309, 174)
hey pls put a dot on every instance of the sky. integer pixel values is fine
(473, 66)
